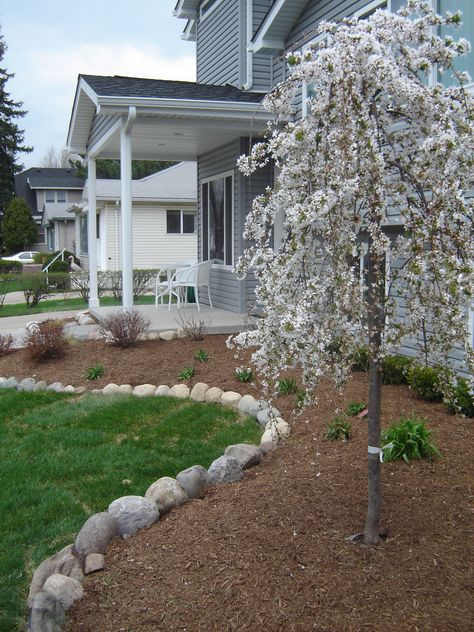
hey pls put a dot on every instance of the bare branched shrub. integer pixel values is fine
(191, 328)
(6, 343)
(35, 288)
(124, 328)
(46, 340)
(5, 281)
(142, 282)
(80, 283)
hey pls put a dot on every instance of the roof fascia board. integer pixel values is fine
(189, 33)
(186, 8)
(55, 187)
(84, 87)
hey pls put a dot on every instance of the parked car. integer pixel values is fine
(25, 256)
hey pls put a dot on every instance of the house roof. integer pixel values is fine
(168, 120)
(178, 182)
(35, 178)
(163, 89)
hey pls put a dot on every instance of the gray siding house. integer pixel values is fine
(240, 52)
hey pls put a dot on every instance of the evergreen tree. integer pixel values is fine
(109, 168)
(18, 230)
(11, 137)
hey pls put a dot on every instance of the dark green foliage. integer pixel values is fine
(354, 408)
(10, 266)
(202, 356)
(338, 428)
(244, 375)
(395, 369)
(59, 265)
(46, 340)
(360, 360)
(18, 229)
(110, 169)
(410, 439)
(186, 374)
(94, 372)
(462, 400)
(426, 382)
(12, 137)
(35, 288)
(287, 386)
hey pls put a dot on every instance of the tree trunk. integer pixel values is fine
(376, 322)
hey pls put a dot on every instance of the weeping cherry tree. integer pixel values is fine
(379, 141)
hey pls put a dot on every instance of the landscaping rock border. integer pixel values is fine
(56, 583)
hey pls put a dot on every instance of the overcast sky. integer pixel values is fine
(51, 41)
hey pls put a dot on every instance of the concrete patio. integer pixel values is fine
(216, 321)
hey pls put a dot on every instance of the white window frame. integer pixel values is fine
(182, 212)
(65, 195)
(219, 176)
(204, 14)
(364, 11)
(52, 193)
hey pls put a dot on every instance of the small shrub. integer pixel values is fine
(338, 428)
(57, 266)
(360, 360)
(354, 408)
(46, 340)
(408, 438)
(287, 386)
(7, 267)
(6, 343)
(395, 369)
(80, 283)
(94, 372)
(186, 374)
(59, 280)
(202, 356)
(462, 400)
(35, 288)
(426, 382)
(191, 328)
(4, 288)
(244, 375)
(124, 329)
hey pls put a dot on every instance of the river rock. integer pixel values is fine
(282, 427)
(225, 469)
(65, 589)
(162, 390)
(144, 390)
(28, 384)
(259, 405)
(127, 389)
(41, 386)
(111, 389)
(96, 534)
(181, 391)
(246, 403)
(194, 480)
(214, 394)
(57, 387)
(263, 417)
(64, 562)
(94, 562)
(168, 335)
(246, 455)
(166, 492)
(198, 392)
(230, 399)
(46, 614)
(133, 513)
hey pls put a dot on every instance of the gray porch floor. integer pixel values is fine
(216, 321)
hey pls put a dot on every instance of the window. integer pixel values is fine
(83, 237)
(52, 195)
(61, 196)
(49, 196)
(309, 89)
(217, 216)
(180, 222)
(41, 235)
(466, 30)
(50, 237)
(371, 7)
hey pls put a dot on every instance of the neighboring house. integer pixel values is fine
(163, 214)
(240, 50)
(50, 192)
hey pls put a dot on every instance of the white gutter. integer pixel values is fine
(249, 57)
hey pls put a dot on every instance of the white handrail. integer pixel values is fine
(60, 254)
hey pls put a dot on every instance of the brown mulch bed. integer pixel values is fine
(270, 552)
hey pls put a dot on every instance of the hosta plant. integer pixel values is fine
(408, 438)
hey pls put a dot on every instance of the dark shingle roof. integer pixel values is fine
(43, 178)
(160, 88)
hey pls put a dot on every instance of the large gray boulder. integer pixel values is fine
(64, 562)
(65, 589)
(225, 469)
(57, 387)
(198, 392)
(28, 384)
(194, 480)
(133, 513)
(46, 614)
(259, 405)
(144, 390)
(266, 415)
(246, 403)
(96, 534)
(167, 493)
(247, 455)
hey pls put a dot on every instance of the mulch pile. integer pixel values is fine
(270, 553)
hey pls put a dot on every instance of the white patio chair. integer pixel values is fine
(196, 276)
(162, 287)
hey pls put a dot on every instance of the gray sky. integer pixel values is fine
(51, 41)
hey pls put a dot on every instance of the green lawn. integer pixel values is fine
(60, 305)
(61, 462)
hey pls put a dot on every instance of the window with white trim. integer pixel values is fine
(179, 222)
(466, 30)
(53, 195)
(83, 234)
(217, 214)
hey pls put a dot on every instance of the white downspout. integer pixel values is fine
(249, 58)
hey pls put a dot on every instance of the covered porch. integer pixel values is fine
(127, 118)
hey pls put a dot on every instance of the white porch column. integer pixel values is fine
(92, 233)
(126, 181)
